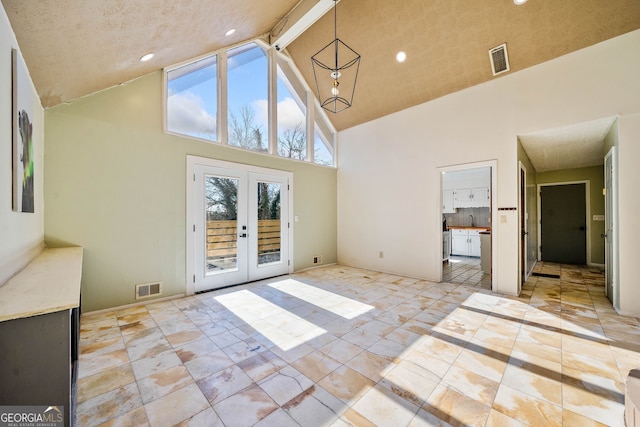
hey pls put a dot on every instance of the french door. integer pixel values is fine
(238, 224)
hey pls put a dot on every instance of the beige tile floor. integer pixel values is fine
(464, 270)
(341, 346)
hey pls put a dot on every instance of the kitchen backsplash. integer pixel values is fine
(463, 217)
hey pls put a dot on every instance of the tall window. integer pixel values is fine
(292, 121)
(322, 155)
(247, 93)
(193, 105)
(192, 99)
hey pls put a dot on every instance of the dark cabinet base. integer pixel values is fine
(37, 358)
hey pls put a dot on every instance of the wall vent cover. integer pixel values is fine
(147, 290)
(499, 59)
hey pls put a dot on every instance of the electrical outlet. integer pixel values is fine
(381, 254)
(317, 259)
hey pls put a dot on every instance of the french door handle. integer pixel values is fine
(243, 235)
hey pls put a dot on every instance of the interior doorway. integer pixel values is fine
(563, 223)
(467, 223)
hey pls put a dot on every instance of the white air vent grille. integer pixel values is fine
(499, 59)
(147, 290)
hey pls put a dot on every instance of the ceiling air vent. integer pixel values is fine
(499, 59)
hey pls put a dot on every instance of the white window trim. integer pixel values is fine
(313, 111)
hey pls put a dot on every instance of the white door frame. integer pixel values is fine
(611, 271)
(522, 207)
(190, 241)
(587, 212)
(493, 164)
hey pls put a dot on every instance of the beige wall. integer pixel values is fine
(21, 234)
(115, 184)
(595, 176)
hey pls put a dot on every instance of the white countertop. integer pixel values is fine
(50, 283)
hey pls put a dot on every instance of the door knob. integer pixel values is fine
(243, 235)
(603, 235)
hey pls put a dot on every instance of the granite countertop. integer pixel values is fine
(50, 283)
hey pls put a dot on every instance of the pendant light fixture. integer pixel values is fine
(335, 69)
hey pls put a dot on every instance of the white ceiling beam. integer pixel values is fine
(301, 17)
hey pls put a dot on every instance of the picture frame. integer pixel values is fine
(23, 199)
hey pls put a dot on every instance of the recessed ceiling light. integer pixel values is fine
(401, 56)
(146, 57)
(519, 2)
(231, 31)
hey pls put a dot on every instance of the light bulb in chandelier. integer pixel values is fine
(334, 89)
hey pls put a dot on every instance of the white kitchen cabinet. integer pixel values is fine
(465, 242)
(472, 197)
(481, 197)
(474, 243)
(447, 202)
(446, 245)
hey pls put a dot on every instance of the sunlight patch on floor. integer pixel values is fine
(283, 328)
(336, 304)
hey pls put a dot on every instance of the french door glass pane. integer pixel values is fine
(221, 217)
(268, 222)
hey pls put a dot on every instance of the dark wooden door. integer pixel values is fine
(563, 224)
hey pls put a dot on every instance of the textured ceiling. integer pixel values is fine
(77, 47)
(569, 147)
(447, 43)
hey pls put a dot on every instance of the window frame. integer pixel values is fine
(315, 116)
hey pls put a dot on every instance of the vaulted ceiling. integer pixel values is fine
(77, 47)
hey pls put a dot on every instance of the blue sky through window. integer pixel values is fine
(192, 97)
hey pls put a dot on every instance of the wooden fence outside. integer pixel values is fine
(222, 237)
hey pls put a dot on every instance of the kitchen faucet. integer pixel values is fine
(471, 216)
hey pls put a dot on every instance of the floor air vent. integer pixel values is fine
(499, 59)
(147, 290)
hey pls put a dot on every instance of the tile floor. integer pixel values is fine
(464, 270)
(340, 346)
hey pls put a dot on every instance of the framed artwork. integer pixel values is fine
(22, 136)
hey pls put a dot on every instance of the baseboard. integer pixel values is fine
(315, 267)
(135, 304)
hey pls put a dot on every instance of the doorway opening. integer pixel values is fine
(468, 232)
(238, 227)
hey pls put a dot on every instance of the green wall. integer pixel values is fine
(595, 176)
(115, 184)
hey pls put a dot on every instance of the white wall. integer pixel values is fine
(21, 234)
(388, 186)
(628, 209)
